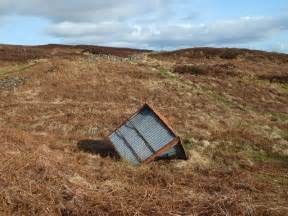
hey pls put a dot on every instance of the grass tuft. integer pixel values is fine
(166, 73)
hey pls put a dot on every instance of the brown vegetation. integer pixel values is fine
(24, 53)
(224, 53)
(223, 70)
(234, 125)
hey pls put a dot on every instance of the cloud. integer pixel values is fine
(71, 29)
(86, 10)
(156, 24)
(162, 36)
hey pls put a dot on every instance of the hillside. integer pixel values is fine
(230, 107)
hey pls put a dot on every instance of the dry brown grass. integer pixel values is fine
(231, 126)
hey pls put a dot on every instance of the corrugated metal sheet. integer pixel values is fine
(143, 136)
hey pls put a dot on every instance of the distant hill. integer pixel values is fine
(224, 53)
(22, 53)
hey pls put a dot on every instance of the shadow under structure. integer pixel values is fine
(102, 147)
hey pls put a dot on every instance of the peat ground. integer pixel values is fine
(230, 107)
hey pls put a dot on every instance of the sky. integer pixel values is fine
(149, 24)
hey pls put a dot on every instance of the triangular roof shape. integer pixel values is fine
(146, 136)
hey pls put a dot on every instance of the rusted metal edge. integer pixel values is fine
(162, 150)
(162, 118)
(158, 114)
(172, 130)
(165, 121)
